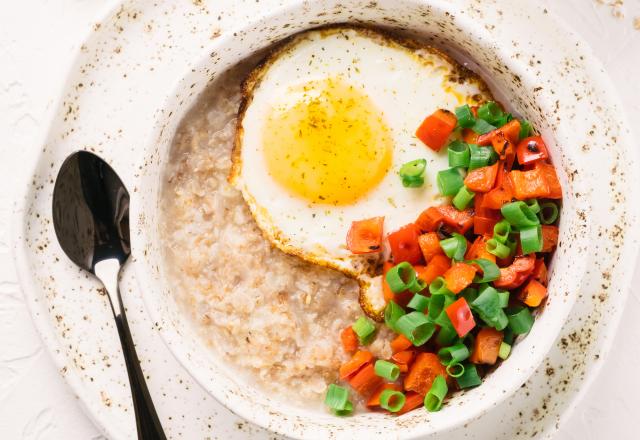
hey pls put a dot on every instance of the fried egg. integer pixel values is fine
(326, 122)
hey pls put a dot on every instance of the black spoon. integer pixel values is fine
(91, 219)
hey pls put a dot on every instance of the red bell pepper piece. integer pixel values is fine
(404, 244)
(517, 273)
(461, 317)
(365, 236)
(531, 149)
(482, 180)
(460, 221)
(436, 129)
(430, 219)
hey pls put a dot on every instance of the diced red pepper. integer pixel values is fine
(533, 293)
(549, 173)
(540, 272)
(531, 149)
(365, 236)
(430, 246)
(517, 273)
(430, 219)
(461, 317)
(460, 221)
(404, 244)
(459, 276)
(529, 184)
(436, 129)
(510, 130)
(549, 237)
(486, 346)
(401, 298)
(481, 180)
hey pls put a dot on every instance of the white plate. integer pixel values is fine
(110, 63)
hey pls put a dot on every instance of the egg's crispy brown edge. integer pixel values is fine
(253, 80)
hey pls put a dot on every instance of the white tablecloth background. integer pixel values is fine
(38, 39)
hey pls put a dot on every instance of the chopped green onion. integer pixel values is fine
(469, 378)
(337, 397)
(465, 116)
(548, 213)
(498, 249)
(479, 156)
(417, 285)
(458, 153)
(418, 302)
(503, 296)
(519, 214)
(504, 351)
(508, 336)
(520, 320)
(392, 313)
(487, 306)
(463, 198)
(454, 354)
(490, 270)
(443, 319)
(412, 173)
(469, 294)
(386, 369)
(525, 129)
(437, 393)
(439, 287)
(416, 327)
(400, 277)
(446, 335)
(449, 181)
(365, 329)
(531, 239)
(482, 127)
(348, 409)
(501, 231)
(438, 304)
(455, 370)
(506, 117)
(533, 205)
(392, 400)
(490, 112)
(454, 247)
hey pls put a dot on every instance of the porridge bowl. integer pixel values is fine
(188, 219)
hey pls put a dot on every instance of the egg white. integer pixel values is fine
(405, 81)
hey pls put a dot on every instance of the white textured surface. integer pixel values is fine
(38, 40)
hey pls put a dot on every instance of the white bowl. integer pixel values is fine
(548, 80)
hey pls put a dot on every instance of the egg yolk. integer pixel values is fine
(327, 142)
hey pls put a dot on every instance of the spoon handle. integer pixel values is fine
(147, 421)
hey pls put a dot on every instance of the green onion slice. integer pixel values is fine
(520, 320)
(482, 127)
(417, 285)
(498, 249)
(463, 198)
(458, 153)
(487, 306)
(525, 129)
(531, 239)
(454, 247)
(533, 205)
(490, 270)
(455, 370)
(504, 351)
(439, 287)
(438, 304)
(548, 213)
(490, 112)
(365, 329)
(506, 117)
(348, 409)
(501, 231)
(519, 214)
(437, 393)
(446, 335)
(412, 173)
(400, 277)
(419, 302)
(469, 294)
(503, 296)
(386, 369)
(469, 378)
(392, 400)
(454, 354)
(449, 181)
(416, 327)
(337, 397)
(479, 156)
(465, 116)
(392, 313)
